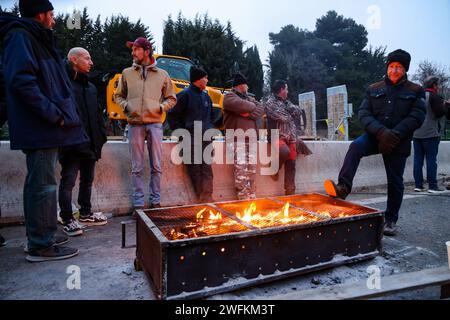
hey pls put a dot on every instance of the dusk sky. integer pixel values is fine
(418, 26)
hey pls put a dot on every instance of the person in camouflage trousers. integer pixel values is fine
(243, 112)
(288, 118)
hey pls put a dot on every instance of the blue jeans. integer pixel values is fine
(426, 149)
(39, 197)
(69, 173)
(394, 165)
(153, 133)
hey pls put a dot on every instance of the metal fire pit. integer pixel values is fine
(189, 256)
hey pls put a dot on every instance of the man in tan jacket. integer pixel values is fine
(242, 112)
(145, 92)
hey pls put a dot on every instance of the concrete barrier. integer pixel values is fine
(112, 186)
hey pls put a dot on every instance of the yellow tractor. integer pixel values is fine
(178, 69)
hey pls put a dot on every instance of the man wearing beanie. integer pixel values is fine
(42, 118)
(242, 112)
(194, 109)
(390, 113)
(145, 92)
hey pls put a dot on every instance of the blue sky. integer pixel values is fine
(418, 26)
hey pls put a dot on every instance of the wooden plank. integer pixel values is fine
(389, 285)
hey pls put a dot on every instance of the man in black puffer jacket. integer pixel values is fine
(195, 106)
(42, 117)
(390, 113)
(81, 158)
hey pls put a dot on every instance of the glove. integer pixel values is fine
(387, 140)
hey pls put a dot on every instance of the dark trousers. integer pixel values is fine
(394, 165)
(201, 175)
(426, 149)
(289, 169)
(69, 173)
(39, 197)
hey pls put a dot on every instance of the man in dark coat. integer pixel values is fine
(390, 113)
(194, 107)
(42, 117)
(81, 158)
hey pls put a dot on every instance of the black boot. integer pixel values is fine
(2, 241)
(336, 190)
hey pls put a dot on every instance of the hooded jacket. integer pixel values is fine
(37, 88)
(144, 93)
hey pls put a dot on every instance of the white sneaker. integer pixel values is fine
(436, 191)
(420, 190)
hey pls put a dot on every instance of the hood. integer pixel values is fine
(9, 22)
(152, 65)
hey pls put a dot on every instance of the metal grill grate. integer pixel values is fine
(268, 213)
(326, 206)
(183, 223)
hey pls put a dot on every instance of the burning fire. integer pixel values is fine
(212, 216)
(282, 216)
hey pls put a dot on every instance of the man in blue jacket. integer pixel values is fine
(194, 105)
(390, 113)
(42, 117)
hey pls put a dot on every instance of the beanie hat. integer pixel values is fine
(197, 74)
(239, 79)
(30, 8)
(401, 56)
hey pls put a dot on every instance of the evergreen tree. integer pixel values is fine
(333, 54)
(214, 46)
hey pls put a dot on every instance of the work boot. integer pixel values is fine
(275, 177)
(390, 229)
(336, 191)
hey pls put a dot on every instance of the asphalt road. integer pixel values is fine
(107, 270)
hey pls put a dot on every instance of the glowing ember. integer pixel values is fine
(328, 214)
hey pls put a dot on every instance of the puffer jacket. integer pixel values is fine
(398, 107)
(144, 93)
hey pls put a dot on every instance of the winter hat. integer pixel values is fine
(197, 74)
(401, 56)
(140, 42)
(239, 79)
(30, 8)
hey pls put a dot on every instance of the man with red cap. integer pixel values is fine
(145, 92)
(390, 113)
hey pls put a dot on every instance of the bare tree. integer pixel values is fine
(428, 68)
